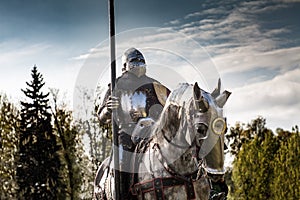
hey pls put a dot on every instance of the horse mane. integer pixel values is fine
(168, 124)
(172, 116)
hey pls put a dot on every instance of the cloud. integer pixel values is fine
(263, 69)
(240, 22)
(262, 66)
(288, 1)
(94, 52)
(15, 52)
(16, 60)
(238, 40)
(243, 59)
(174, 22)
(163, 49)
(277, 99)
(210, 11)
(257, 7)
(18, 57)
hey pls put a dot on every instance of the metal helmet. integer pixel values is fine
(133, 61)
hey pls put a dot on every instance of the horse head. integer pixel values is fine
(212, 148)
(193, 118)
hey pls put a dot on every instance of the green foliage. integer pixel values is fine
(266, 166)
(70, 170)
(48, 155)
(286, 183)
(72, 154)
(96, 143)
(252, 171)
(241, 134)
(99, 144)
(8, 148)
(78, 169)
(38, 164)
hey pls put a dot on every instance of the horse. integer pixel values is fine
(175, 160)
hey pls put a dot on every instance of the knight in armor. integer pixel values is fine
(136, 97)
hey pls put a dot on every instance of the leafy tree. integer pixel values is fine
(8, 148)
(39, 163)
(283, 135)
(241, 134)
(253, 171)
(99, 144)
(73, 159)
(96, 143)
(236, 138)
(266, 165)
(285, 184)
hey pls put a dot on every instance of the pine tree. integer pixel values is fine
(38, 165)
(8, 148)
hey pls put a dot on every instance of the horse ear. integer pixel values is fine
(199, 101)
(221, 99)
(197, 91)
(216, 91)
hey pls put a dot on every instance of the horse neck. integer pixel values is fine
(170, 139)
(178, 159)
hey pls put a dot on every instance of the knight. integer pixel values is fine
(136, 98)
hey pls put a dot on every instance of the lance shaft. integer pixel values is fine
(113, 81)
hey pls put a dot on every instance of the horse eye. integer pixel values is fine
(201, 130)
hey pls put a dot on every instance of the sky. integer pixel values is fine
(253, 46)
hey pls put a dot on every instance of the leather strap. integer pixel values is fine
(158, 184)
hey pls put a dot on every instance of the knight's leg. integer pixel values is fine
(125, 165)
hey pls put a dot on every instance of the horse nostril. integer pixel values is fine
(201, 130)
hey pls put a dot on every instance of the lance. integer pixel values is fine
(113, 81)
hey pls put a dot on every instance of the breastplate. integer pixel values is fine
(133, 106)
(138, 99)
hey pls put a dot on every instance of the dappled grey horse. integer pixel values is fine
(182, 148)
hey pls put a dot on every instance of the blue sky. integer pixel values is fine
(254, 45)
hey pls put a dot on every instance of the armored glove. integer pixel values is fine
(112, 103)
(104, 113)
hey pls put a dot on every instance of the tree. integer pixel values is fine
(8, 148)
(241, 134)
(39, 163)
(253, 170)
(99, 144)
(254, 147)
(266, 165)
(70, 138)
(285, 184)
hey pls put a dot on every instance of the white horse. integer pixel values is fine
(172, 164)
